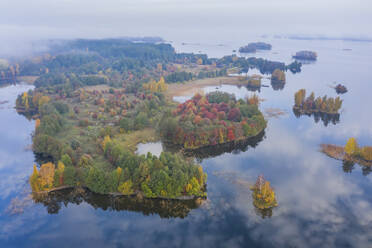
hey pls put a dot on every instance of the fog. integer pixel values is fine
(22, 21)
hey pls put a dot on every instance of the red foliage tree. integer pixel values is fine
(234, 114)
(230, 133)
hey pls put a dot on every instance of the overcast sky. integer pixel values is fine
(182, 19)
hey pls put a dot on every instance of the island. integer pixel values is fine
(254, 46)
(321, 108)
(264, 199)
(306, 55)
(340, 89)
(278, 79)
(350, 153)
(215, 118)
(310, 104)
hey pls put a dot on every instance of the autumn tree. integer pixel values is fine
(278, 76)
(366, 153)
(126, 188)
(351, 147)
(46, 174)
(263, 194)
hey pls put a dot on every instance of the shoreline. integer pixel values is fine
(138, 194)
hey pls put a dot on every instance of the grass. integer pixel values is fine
(132, 139)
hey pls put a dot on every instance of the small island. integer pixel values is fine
(310, 104)
(278, 79)
(254, 46)
(305, 55)
(254, 82)
(351, 152)
(264, 199)
(215, 118)
(341, 89)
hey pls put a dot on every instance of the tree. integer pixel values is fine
(35, 181)
(85, 161)
(46, 174)
(366, 153)
(66, 160)
(300, 97)
(37, 123)
(278, 76)
(106, 140)
(234, 115)
(126, 188)
(351, 147)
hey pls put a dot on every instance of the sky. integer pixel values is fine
(191, 20)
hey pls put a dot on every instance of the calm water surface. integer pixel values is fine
(321, 202)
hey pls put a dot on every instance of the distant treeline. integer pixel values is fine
(263, 65)
(183, 76)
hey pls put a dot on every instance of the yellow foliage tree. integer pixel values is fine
(351, 147)
(188, 187)
(46, 174)
(366, 153)
(35, 180)
(25, 100)
(199, 61)
(126, 188)
(106, 140)
(119, 171)
(154, 86)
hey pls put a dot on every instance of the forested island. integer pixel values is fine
(323, 108)
(264, 199)
(310, 104)
(305, 55)
(340, 89)
(254, 46)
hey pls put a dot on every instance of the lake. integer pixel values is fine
(321, 203)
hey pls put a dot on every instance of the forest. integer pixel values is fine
(81, 140)
(215, 118)
(123, 63)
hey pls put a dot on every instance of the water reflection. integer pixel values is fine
(217, 150)
(349, 166)
(54, 201)
(324, 117)
(277, 85)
